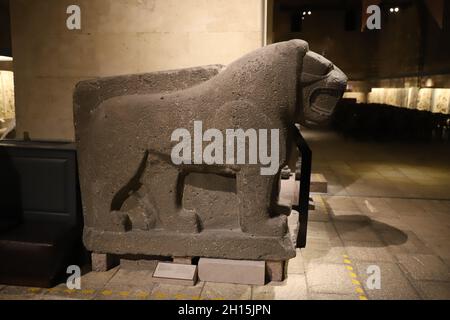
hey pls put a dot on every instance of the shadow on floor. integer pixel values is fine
(361, 228)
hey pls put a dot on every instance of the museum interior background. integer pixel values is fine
(393, 121)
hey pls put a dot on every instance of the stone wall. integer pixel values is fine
(116, 37)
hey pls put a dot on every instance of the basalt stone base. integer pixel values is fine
(102, 262)
(212, 244)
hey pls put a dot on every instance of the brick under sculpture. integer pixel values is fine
(137, 201)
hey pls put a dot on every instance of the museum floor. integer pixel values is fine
(388, 206)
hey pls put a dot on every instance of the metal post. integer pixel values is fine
(305, 181)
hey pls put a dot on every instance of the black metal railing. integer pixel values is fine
(305, 182)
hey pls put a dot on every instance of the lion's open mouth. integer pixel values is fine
(324, 100)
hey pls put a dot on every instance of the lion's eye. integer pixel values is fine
(315, 64)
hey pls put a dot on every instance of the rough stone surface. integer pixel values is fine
(182, 260)
(139, 264)
(275, 270)
(102, 262)
(232, 271)
(136, 201)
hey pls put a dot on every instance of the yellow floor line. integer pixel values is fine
(351, 270)
(125, 294)
(354, 277)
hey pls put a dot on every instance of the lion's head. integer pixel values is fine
(322, 85)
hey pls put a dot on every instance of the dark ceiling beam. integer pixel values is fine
(330, 5)
(318, 4)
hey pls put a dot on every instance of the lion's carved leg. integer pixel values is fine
(108, 192)
(165, 193)
(255, 193)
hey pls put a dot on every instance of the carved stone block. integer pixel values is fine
(138, 200)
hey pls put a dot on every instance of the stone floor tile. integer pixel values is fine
(328, 278)
(442, 218)
(439, 245)
(356, 231)
(372, 188)
(319, 215)
(394, 284)
(316, 255)
(368, 251)
(19, 293)
(351, 216)
(433, 290)
(341, 203)
(426, 226)
(137, 278)
(124, 292)
(321, 230)
(293, 288)
(177, 292)
(10, 297)
(59, 298)
(394, 225)
(332, 296)
(337, 190)
(296, 265)
(225, 291)
(63, 293)
(408, 242)
(424, 267)
(97, 280)
(432, 206)
(405, 207)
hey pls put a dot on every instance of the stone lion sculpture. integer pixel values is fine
(135, 199)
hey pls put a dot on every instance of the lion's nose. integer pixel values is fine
(338, 78)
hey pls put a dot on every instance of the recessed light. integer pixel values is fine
(429, 83)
